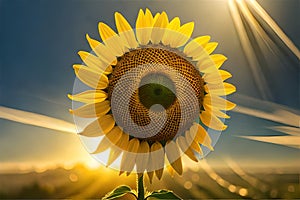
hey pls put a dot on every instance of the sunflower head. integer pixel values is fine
(153, 91)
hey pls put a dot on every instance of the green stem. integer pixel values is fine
(140, 187)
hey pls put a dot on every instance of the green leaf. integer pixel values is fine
(118, 192)
(163, 194)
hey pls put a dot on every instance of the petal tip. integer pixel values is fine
(82, 54)
(70, 96)
(117, 14)
(75, 67)
(87, 36)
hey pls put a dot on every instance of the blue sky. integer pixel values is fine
(39, 44)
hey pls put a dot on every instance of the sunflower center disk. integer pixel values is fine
(155, 94)
(155, 89)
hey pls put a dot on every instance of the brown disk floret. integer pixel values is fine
(140, 113)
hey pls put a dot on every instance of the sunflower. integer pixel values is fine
(154, 93)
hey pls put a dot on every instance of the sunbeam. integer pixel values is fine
(36, 120)
(280, 116)
(290, 141)
(275, 113)
(249, 52)
(286, 129)
(267, 110)
(279, 32)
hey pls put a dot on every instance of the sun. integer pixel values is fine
(154, 92)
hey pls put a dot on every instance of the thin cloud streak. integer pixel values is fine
(36, 120)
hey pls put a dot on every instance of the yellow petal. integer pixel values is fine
(140, 19)
(181, 142)
(171, 170)
(103, 52)
(113, 155)
(114, 135)
(105, 31)
(180, 37)
(101, 126)
(216, 111)
(174, 24)
(218, 102)
(150, 176)
(200, 135)
(144, 23)
(149, 20)
(129, 156)
(143, 157)
(218, 59)
(110, 139)
(94, 63)
(159, 173)
(121, 145)
(195, 48)
(192, 143)
(210, 47)
(125, 31)
(174, 157)
(206, 65)
(155, 18)
(111, 39)
(220, 89)
(211, 121)
(157, 157)
(89, 96)
(171, 27)
(213, 78)
(90, 77)
(211, 64)
(225, 74)
(216, 78)
(92, 110)
(202, 40)
(159, 28)
(196, 147)
(177, 166)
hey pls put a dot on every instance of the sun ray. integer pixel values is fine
(279, 32)
(257, 30)
(290, 141)
(249, 52)
(267, 110)
(35, 119)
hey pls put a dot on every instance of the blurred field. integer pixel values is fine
(203, 183)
